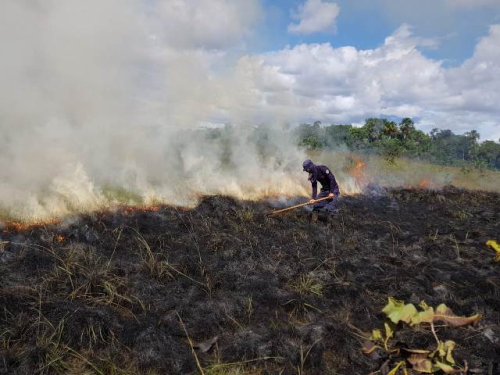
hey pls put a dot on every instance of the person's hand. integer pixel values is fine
(312, 201)
(331, 195)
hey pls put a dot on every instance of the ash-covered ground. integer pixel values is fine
(118, 292)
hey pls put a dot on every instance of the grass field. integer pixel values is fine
(406, 173)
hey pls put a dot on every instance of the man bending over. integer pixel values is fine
(329, 188)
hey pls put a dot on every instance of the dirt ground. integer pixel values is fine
(121, 292)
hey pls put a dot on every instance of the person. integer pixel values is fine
(329, 188)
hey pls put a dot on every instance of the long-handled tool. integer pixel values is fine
(298, 206)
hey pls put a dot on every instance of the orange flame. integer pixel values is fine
(358, 170)
(424, 183)
(129, 210)
(17, 226)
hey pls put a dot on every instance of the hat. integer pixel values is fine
(307, 165)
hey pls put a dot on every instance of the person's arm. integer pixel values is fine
(314, 189)
(333, 183)
(334, 187)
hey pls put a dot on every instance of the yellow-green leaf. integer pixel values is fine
(440, 350)
(395, 369)
(389, 331)
(418, 351)
(447, 369)
(398, 311)
(449, 345)
(376, 335)
(424, 305)
(426, 316)
(495, 246)
(444, 353)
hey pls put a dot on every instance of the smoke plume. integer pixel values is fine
(101, 101)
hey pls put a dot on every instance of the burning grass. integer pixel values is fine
(120, 292)
(353, 171)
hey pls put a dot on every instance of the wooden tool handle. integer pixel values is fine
(298, 206)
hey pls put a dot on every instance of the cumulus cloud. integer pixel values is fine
(343, 85)
(314, 16)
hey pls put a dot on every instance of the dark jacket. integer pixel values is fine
(326, 178)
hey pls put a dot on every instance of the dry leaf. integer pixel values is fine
(369, 347)
(444, 314)
(419, 359)
(420, 364)
(205, 346)
(375, 352)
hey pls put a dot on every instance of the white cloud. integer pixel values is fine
(314, 16)
(342, 85)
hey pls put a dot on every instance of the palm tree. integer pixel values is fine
(390, 129)
(407, 126)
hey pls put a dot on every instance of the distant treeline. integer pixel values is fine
(392, 140)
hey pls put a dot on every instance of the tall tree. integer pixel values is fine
(390, 129)
(407, 127)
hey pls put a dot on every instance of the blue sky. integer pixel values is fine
(365, 24)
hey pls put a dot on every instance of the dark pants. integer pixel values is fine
(329, 205)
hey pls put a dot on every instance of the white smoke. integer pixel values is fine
(104, 94)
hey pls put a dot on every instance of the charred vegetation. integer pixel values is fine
(225, 289)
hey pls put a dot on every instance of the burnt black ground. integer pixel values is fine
(104, 293)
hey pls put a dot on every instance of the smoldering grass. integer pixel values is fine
(192, 233)
(156, 267)
(303, 357)
(159, 268)
(107, 364)
(84, 275)
(461, 214)
(238, 368)
(50, 348)
(221, 369)
(307, 285)
(290, 252)
(15, 329)
(246, 215)
(195, 356)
